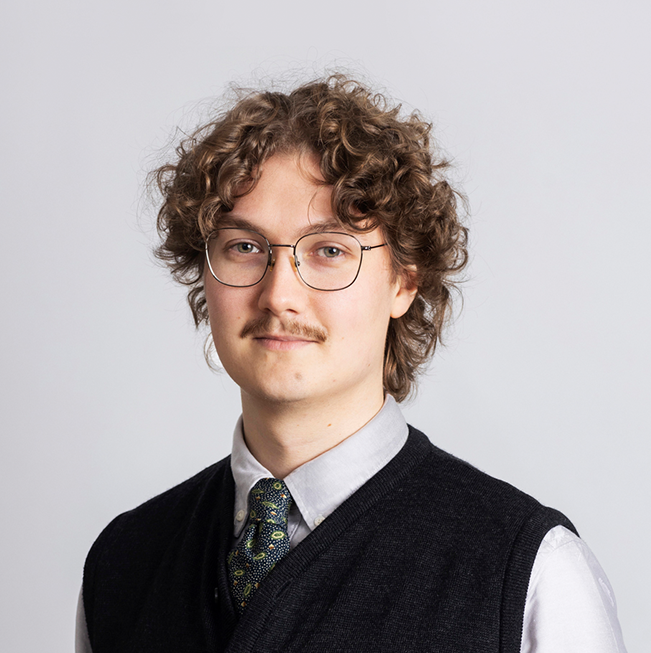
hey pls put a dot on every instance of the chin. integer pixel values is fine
(278, 396)
(286, 389)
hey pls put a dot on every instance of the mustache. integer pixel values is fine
(264, 325)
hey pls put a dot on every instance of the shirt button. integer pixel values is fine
(240, 515)
(318, 520)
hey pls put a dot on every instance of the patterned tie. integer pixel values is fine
(265, 539)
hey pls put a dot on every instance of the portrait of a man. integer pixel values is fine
(321, 240)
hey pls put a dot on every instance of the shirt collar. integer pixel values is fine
(321, 485)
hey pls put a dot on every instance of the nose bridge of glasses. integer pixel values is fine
(272, 257)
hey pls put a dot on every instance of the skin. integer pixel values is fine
(308, 363)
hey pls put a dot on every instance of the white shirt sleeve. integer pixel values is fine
(82, 641)
(570, 606)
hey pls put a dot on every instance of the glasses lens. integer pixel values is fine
(238, 257)
(328, 261)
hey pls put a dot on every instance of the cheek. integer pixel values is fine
(226, 311)
(361, 320)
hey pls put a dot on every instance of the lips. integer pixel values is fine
(281, 337)
(276, 342)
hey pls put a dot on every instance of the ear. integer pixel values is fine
(406, 289)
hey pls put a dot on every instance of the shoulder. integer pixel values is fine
(475, 494)
(483, 517)
(124, 563)
(136, 543)
(157, 520)
(492, 521)
(172, 503)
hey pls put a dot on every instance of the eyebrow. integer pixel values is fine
(331, 224)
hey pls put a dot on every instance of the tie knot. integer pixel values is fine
(269, 502)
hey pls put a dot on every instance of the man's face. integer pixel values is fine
(282, 341)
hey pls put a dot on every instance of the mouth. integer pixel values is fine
(282, 342)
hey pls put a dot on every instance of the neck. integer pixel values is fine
(284, 436)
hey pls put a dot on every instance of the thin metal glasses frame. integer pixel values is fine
(297, 263)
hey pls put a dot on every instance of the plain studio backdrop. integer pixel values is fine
(544, 382)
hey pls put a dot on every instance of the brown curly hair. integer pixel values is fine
(384, 172)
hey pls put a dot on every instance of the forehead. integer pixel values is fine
(289, 197)
(289, 200)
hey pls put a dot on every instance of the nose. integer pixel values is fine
(282, 290)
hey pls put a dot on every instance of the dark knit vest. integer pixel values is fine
(429, 555)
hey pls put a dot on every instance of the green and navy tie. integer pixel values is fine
(265, 539)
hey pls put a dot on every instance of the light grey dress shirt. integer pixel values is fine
(570, 605)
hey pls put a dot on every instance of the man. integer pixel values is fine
(319, 238)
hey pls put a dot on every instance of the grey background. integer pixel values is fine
(106, 400)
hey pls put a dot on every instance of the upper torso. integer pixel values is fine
(323, 485)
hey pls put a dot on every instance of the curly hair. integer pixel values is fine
(384, 172)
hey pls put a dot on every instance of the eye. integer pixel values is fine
(244, 247)
(330, 251)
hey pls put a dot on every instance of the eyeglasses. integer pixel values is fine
(324, 261)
